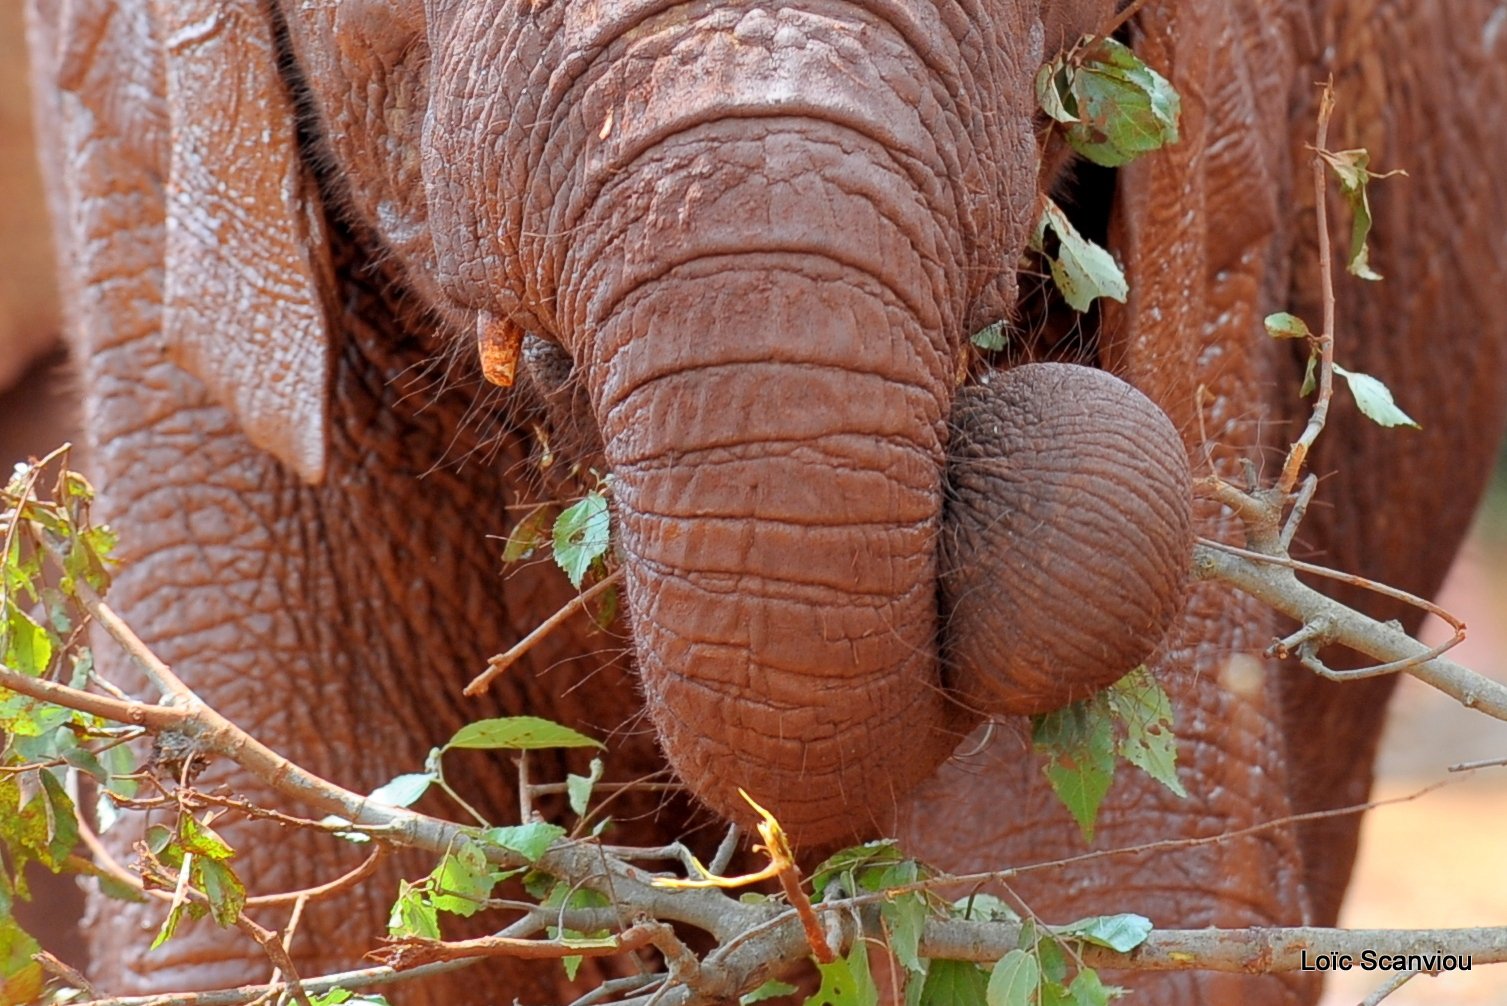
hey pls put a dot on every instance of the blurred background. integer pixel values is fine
(1431, 862)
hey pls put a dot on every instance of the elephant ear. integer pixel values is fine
(247, 264)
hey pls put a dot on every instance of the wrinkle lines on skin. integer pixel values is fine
(798, 593)
(914, 40)
(915, 173)
(817, 449)
(783, 254)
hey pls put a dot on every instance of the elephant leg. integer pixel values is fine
(1410, 82)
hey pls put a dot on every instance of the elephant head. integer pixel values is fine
(760, 236)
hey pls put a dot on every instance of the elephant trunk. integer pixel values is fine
(761, 235)
(773, 410)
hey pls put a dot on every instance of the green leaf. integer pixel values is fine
(1286, 326)
(879, 852)
(1078, 742)
(1375, 399)
(403, 791)
(21, 978)
(984, 907)
(412, 914)
(582, 534)
(462, 881)
(1145, 711)
(771, 989)
(62, 821)
(954, 983)
(1352, 168)
(1115, 107)
(528, 840)
(226, 893)
(1054, 89)
(160, 838)
(342, 997)
(1081, 269)
(578, 787)
(23, 567)
(170, 924)
(1054, 994)
(1310, 376)
(85, 761)
(845, 982)
(529, 535)
(1052, 960)
(519, 733)
(905, 917)
(30, 821)
(87, 558)
(28, 645)
(1117, 932)
(1013, 981)
(1088, 990)
(202, 840)
(990, 338)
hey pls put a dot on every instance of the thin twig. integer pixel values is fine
(1129, 12)
(1391, 985)
(502, 661)
(1299, 451)
(63, 971)
(414, 950)
(272, 946)
(363, 978)
(1471, 766)
(299, 898)
(616, 986)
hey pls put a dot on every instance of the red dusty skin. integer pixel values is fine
(766, 288)
(1067, 538)
(752, 230)
(772, 407)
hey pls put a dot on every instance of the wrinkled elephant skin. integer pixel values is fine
(744, 245)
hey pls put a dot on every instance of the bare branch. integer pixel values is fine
(1278, 588)
(140, 714)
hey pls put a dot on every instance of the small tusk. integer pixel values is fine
(498, 343)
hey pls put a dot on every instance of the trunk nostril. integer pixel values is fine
(1067, 536)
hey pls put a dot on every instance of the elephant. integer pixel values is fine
(744, 246)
